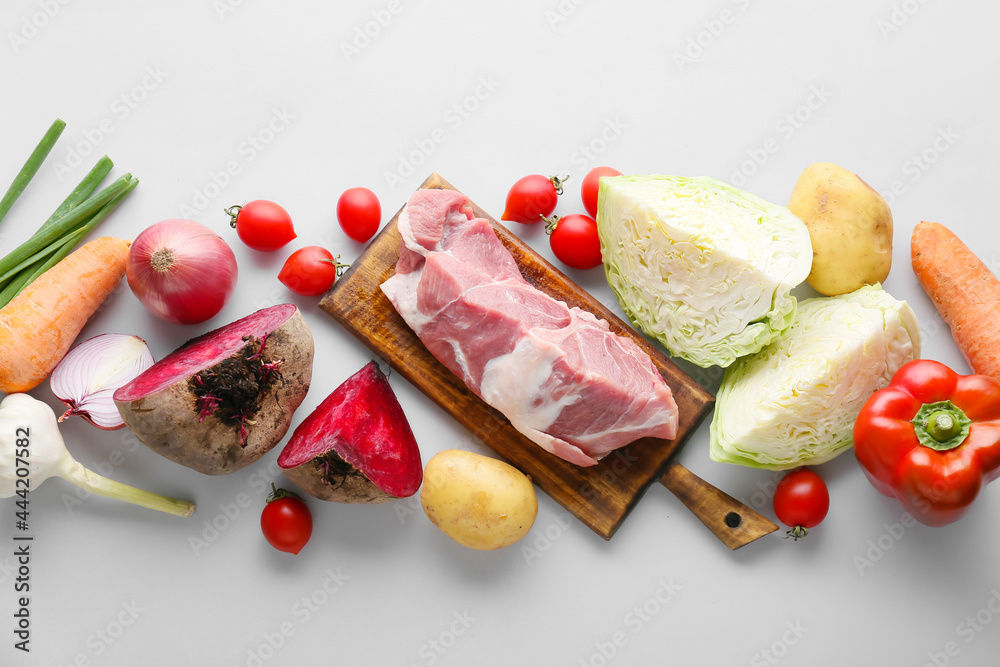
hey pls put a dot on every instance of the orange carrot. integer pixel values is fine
(38, 327)
(964, 291)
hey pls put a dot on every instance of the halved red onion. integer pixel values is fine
(87, 377)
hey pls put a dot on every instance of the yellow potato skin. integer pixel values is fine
(850, 226)
(479, 502)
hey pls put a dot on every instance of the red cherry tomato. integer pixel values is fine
(310, 271)
(588, 190)
(359, 213)
(531, 198)
(801, 501)
(261, 224)
(574, 240)
(286, 521)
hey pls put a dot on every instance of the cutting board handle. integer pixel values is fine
(730, 520)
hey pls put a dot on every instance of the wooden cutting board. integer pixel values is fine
(600, 496)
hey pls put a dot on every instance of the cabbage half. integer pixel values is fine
(699, 265)
(796, 401)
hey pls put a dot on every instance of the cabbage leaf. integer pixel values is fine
(796, 401)
(701, 266)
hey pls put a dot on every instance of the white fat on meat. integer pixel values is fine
(558, 374)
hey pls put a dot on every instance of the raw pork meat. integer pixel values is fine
(559, 374)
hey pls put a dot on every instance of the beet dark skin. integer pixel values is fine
(224, 399)
(356, 446)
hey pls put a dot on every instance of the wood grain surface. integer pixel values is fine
(600, 496)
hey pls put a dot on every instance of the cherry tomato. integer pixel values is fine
(286, 521)
(531, 198)
(574, 240)
(310, 271)
(359, 213)
(588, 190)
(261, 224)
(801, 501)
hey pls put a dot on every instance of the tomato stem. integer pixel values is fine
(340, 266)
(278, 494)
(557, 183)
(233, 212)
(550, 223)
(797, 532)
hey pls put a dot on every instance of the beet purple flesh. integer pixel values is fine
(222, 400)
(357, 445)
(205, 351)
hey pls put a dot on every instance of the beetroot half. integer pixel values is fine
(222, 400)
(356, 446)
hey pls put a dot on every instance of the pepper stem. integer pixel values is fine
(109, 488)
(941, 426)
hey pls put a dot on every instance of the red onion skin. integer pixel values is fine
(71, 380)
(199, 271)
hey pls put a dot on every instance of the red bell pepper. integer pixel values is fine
(931, 439)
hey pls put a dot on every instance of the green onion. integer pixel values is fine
(31, 166)
(60, 249)
(82, 191)
(79, 194)
(64, 224)
(75, 217)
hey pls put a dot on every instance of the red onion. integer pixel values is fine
(87, 377)
(182, 271)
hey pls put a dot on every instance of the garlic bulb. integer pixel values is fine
(32, 450)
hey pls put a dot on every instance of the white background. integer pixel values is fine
(902, 92)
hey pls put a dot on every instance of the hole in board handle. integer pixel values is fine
(733, 520)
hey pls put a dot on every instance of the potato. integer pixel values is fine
(479, 502)
(850, 225)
